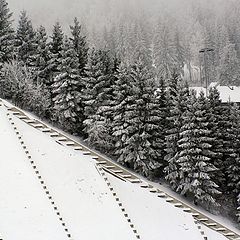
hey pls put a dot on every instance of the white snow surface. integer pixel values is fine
(154, 217)
(80, 194)
(24, 209)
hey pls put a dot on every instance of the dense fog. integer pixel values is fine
(122, 26)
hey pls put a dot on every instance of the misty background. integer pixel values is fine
(175, 29)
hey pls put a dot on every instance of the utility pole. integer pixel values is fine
(204, 51)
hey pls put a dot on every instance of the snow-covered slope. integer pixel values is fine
(49, 191)
(24, 209)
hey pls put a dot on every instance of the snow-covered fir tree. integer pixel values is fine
(195, 155)
(6, 33)
(25, 36)
(233, 164)
(67, 91)
(55, 47)
(159, 115)
(180, 52)
(97, 94)
(177, 98)
(80, 44)
(216, 116)
(142, 48)
(124, 97)
(41, 56)
(228, 138)
(229, 72)
(105, 112)
(123, 48)
(238, 208)
(138, 117)
(110, 40)
(167, 55)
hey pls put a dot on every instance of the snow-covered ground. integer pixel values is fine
(79, 193)
(25, 211)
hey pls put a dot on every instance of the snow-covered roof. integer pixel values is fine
(227, 93)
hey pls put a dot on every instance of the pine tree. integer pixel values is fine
(142, 48)
(55, 47)
(233, 162)
(194, 159)
(25, 39)
(40, 58)
(238, 208)
(124, 98)
(179, 52)
(66, 90)
(217, 124)
(110, 40)
(80, 44)
(136, 122)
(177, 98)
(97, 94)
(158, 132)
(123, 48)
(229, 72)
(6, 33)
(165, 52)
(149, 130)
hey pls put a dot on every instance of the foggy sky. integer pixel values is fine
(91, 12)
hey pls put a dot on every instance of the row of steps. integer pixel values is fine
(120, 204)
(39, 176)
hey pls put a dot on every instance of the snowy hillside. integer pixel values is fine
(50, 191)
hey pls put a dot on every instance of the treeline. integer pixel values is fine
(155, 126)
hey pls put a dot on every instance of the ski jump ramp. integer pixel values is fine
(54, 188)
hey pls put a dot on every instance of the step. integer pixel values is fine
(110, 167)
(195, 214)
(178, 205)
(62, 139)
(86, 153)
(126, 175)
(153, 190)
(30, 121)
(162, 194)
(70, 143)
(78, 148)
(101, 162)
(169, 200)
(211, 224)
(46, 130)
(16, 113)
(22, 117)
(187, 210)
(38, 125)
(229, 234)
(221, 229)
(136, 180)
(117, 171)
(54, 134)
(203, 219)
